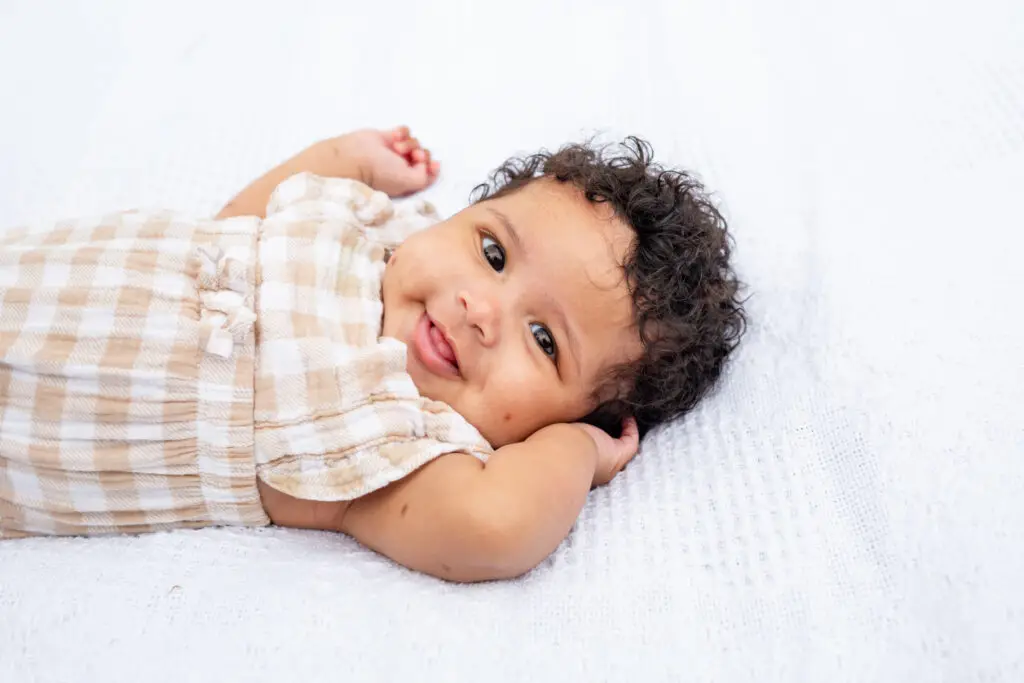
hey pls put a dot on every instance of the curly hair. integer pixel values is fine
(685, 293)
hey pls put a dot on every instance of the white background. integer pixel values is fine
(848, 507)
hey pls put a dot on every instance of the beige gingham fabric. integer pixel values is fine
(337, 416)
(126, 376)
(134, 396)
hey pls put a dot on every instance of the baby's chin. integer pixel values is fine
(496, 434)
(499, 428)
(495, 430)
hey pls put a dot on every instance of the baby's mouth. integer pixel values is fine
(434, 348)
(442, 345)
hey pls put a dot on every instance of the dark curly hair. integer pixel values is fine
(685, 294)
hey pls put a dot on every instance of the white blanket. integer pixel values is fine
(848, 507)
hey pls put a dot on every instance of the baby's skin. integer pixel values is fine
(513, 311)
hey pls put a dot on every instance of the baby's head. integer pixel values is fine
(587, 284)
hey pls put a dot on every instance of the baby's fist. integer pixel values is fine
(391, 161)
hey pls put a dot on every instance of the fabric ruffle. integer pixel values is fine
(224, 317)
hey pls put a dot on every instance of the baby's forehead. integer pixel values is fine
(555, 197)
(557, 219)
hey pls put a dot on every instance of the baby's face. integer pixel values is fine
(513, 308)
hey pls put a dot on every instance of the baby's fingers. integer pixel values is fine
(629, 441)
(398, 134)
(422, 157)
(400, 141)
(407, 147)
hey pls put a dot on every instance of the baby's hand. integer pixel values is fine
(613, 454)
(390, 161)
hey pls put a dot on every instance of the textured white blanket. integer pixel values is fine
(849, 506)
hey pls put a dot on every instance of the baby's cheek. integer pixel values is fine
(519, 411)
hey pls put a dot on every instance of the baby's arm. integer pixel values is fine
(387, 160)
(463, 520)
(253, 200)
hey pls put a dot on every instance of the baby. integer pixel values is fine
(316, 357)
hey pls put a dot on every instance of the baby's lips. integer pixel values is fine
(443, 346)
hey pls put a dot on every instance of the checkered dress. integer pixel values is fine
(151, 367)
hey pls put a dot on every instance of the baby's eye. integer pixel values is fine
(545, 340)
(493, 252)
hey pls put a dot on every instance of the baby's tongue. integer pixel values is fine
(443, 347)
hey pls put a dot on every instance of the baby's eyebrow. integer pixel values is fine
(509, 228)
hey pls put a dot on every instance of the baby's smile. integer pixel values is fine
(514, 308)
(434, 350)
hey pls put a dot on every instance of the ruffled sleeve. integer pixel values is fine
(337, 416)
(310, 197)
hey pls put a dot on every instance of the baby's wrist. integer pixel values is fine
(334, 159)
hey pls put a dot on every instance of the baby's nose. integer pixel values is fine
(483, 312)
